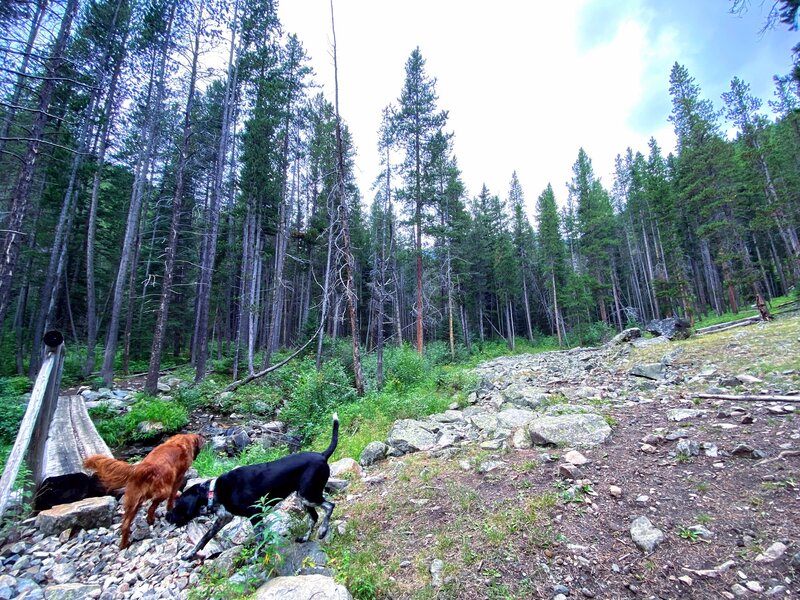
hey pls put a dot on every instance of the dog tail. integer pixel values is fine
(334, 438)
(113, 474)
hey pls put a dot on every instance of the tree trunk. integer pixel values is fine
(151, 383)
(137, 195)
(11, 236)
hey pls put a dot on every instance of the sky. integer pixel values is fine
(528, 83)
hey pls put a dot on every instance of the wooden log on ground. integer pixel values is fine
(35, 424)
(729, 325)
(749, 398)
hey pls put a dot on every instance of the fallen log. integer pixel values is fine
(749, 398)
(729, 325)
(237, 384)
(782, 455)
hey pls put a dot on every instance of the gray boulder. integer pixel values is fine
(374, 452)
(514, 418)
(645, 535)
(72, 591)
(408, 435)
(303, 559)
(625, 336)
(525, 395)
(654, 371)
(671, 328)
(88, 514)
(570, 430)
(303, 587)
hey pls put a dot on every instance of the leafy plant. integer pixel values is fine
(688, 534)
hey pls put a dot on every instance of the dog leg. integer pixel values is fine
(132, 506)
(311, 510)
(151, 512)
(328, 507)
(223, 519)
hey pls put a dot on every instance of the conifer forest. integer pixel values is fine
(175, 189)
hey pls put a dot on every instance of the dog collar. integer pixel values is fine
(211, 487)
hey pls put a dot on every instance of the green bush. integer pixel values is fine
(12, 408)
(315, 395)
(124, 428)
(404, 368)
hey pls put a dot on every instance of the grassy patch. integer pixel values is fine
(119, 429)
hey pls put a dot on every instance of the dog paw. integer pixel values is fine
(322, 533)
(187, 557)
(302, 539)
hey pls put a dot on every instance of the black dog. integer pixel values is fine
(237, 492)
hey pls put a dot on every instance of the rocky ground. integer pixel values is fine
(590, 473)
(681, 497)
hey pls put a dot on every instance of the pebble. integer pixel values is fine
(615, 491)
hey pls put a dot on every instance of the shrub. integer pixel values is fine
(404, 368)
(123, 428)
(12, 408)
(315, 395)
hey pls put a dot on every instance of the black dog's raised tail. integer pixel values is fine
(334, 438)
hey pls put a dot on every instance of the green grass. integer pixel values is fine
(121, 429)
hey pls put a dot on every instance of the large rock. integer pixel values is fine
(570, 430)
(671, 328)
(303, 559)
(72, 591)
(303, 587)
(625, 336)
(408, 435)
(645, 535)
(88, 514)
(374, 452)
(345, 465)
(514, 418)
(654, 371)
(525, 395)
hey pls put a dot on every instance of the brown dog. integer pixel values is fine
(156, 478)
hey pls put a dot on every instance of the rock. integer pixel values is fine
(493, 444)
(745, 378)
(336, 485)
(88, 514)
(436, 572)
(654, 371)
(524, 395)
(626, 335)
(743, 450)
(514, 418)
(648, 449)
(686, 447)
(62, 572)
(150, 428)
(303, 587)
(738, 590)
(771, 554)
(490, 465)
(448, 416)
(345, 465)
(684, 414)
(408, 435)
(754, 586)
(374, 452)
(567, 409)
(701, 532)
(521, 438)
(575, 458)
(303, 559)
(583, 430)
(646, 536)
(163, 388)
(671, 328)
(236, 440)
(568, 471)
(615, 491)
(484, 421)
(72, 591)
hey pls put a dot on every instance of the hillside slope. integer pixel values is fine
(470, 522)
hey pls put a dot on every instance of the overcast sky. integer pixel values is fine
(527, 83)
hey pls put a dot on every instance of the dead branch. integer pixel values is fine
(237, 384)
(784, 454)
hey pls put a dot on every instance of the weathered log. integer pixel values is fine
(729, 325)
(33, 429)
(749, 398)
(237, 384)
